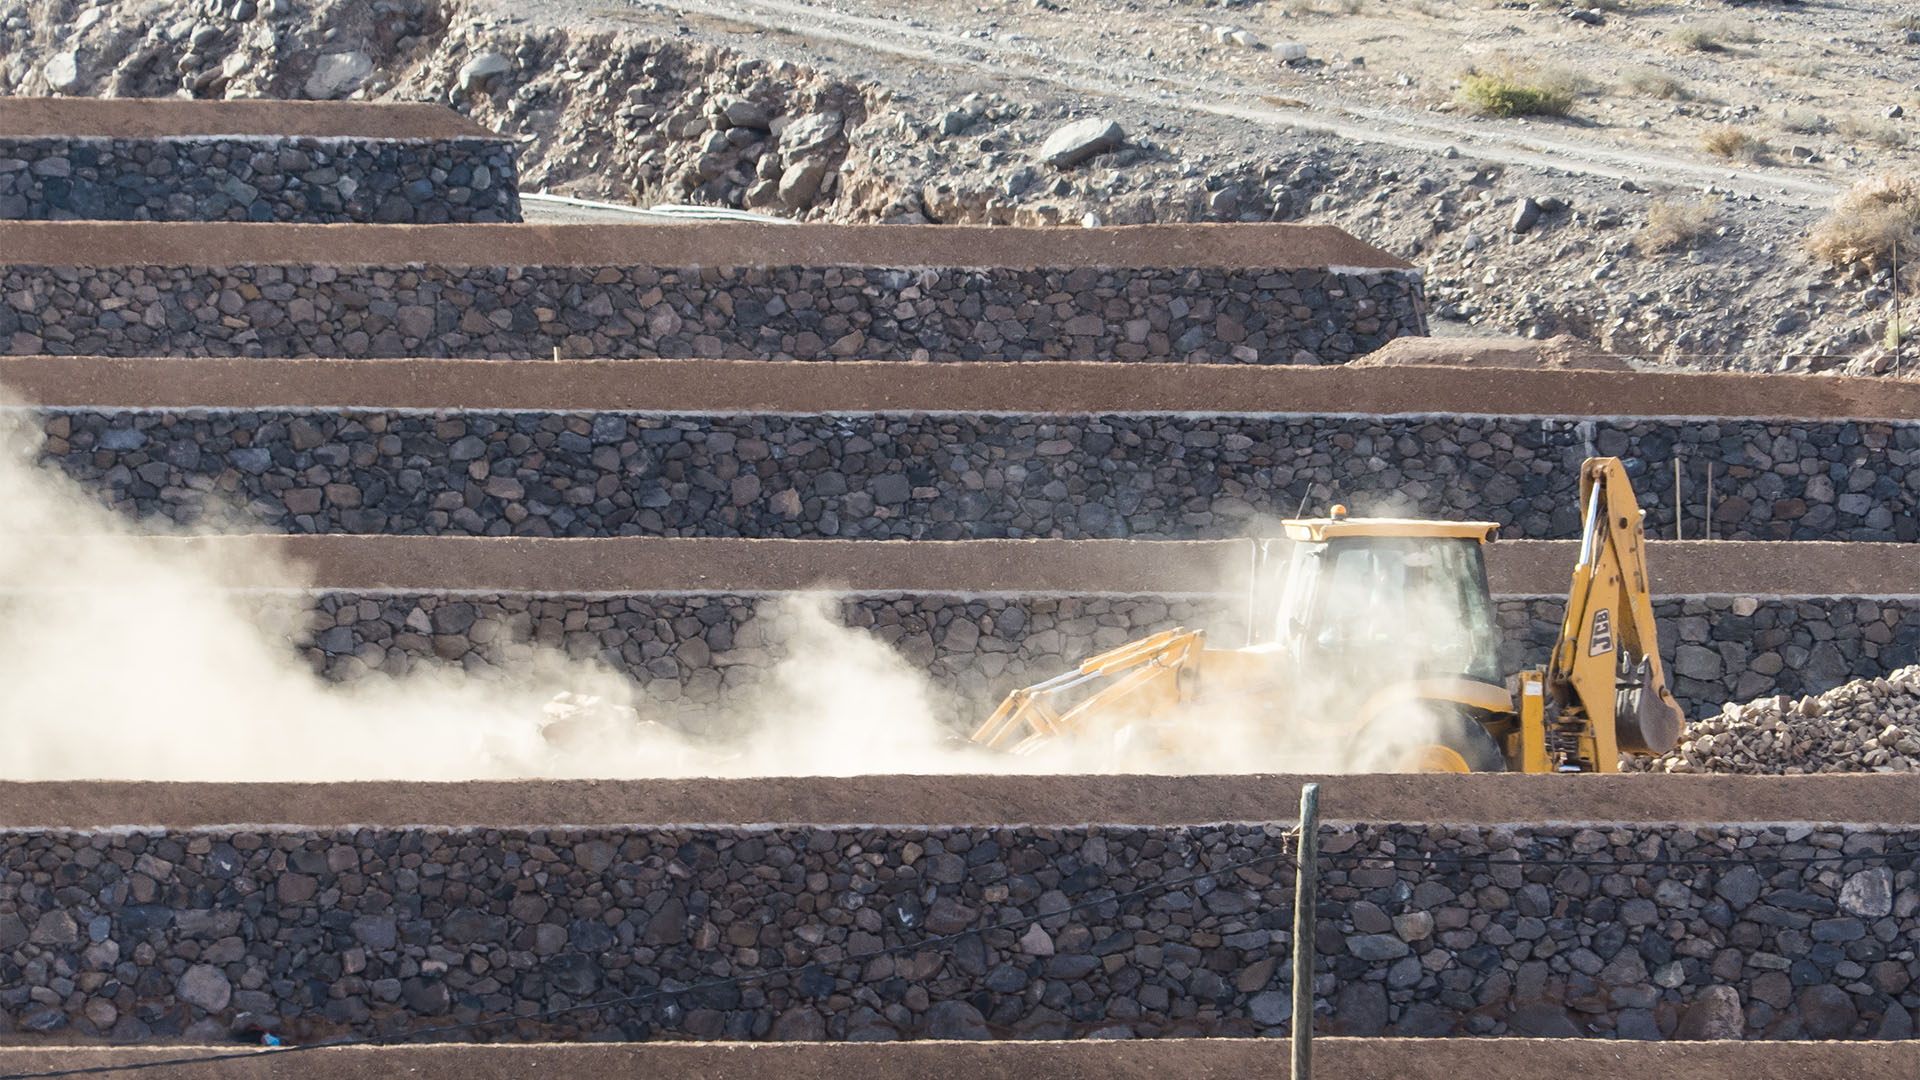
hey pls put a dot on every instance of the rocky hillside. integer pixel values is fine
(778, 107)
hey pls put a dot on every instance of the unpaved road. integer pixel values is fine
(890, 29)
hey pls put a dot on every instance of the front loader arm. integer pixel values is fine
(1147, 676)
(1605, 675)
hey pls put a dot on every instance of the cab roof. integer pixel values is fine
(1319, 530)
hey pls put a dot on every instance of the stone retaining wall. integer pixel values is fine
(1631, 931)
(781, 312)
(286, 179)
(690, 653)
(938, 476)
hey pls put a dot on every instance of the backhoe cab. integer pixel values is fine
(1375, 649)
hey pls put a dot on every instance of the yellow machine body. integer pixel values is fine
(1374, 618)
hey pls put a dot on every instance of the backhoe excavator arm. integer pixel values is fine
(1147, 676)
(1606, 690)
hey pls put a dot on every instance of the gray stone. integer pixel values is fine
(1714, 1015)
(62, 72)
(337, 74)
(801, 181)
(55, 928)
(480, 74)
(809, 134)
(1076, 142)
(1376, 946)
(1525, 216)
(1868, 893)
(1827, 1012)
(956, 1020)
(1739, 887)
(1270, 1007)
(1543, 1021)
(205, 987)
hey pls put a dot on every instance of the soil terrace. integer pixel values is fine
(642, 564)
(1055, 388)
(985, 801)
(168, 118)
(1233, 247)
(1147, 1059)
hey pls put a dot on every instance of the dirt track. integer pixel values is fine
(1233, 247)
(640, 564)
(1888, 799)
(1151, 1059)
(163, 118)
(1052, 388)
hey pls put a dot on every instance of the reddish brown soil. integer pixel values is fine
(160, 118)
(1563, 353)
(635, 564)
(1147, 1059)
(1235, 247)
(1062, 387)
(972, 800)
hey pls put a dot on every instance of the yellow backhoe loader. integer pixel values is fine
(1377, 649)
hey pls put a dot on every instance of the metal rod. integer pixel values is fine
(1676, 499)
(1306, 876)
(1899, 332)
(1255, 549)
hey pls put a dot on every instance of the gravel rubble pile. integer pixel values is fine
(1867, 725)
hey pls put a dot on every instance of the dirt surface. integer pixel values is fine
(1050, 387)
(1236, 247)
(1090, 1059)
(640, 564)
(1561, 353)
(1888, 799)
(163, 118)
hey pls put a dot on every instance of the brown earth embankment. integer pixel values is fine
(635, 564)
(1166, 1059)
(167, 118)
(981, 801)
(1063, 387)
(1235, 247)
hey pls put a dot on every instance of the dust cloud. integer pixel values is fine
(121, 658)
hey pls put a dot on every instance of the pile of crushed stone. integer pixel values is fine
(1868, 725)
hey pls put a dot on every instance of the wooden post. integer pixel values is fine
(1305, 880)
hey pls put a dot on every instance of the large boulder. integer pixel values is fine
(338, 74)
(478, 75)
(1080, 140)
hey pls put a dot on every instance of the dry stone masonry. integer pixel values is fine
(689, 655)
(784, 312)
(947, 477)
(1631, 931)
(259, 179)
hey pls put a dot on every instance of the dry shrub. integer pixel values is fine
(1697, 39)
(1512, 94)
(1734, 144)
(1802, 121)
(1884, 132)
(1712, 37)
(1652, 82)
(1672, 225)
(1867, 222)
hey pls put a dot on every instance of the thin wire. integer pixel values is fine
(649, 995)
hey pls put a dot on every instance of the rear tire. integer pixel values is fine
(1454, 740)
